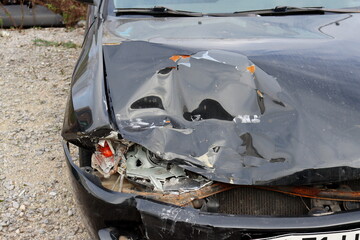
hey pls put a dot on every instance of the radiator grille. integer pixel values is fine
(251, 201)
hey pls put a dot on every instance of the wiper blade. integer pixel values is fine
(158, 11)
(288, 10)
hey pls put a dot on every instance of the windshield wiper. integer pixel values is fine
(288, 10)
(161, 11)
(157, 11)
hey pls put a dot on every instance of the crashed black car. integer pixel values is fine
(214, 119)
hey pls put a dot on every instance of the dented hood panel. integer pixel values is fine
(266, 109)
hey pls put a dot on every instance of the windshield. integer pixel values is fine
(229, 6)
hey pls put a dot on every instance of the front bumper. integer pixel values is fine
(141, 218)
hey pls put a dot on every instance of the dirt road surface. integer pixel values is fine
(35, 195)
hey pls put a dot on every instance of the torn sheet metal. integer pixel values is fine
(185, 198)
(139, 166)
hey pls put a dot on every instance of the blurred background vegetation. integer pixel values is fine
(71, 10)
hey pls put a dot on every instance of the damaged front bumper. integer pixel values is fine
(137, 217)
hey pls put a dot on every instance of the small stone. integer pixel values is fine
(46, 213)
(4, 34)
(15, 205)
(9, 185)
(76, 230)
(4, 224)
(22, 207)
(81, 23)
(52, 193)
(21, 193)
(70, 213)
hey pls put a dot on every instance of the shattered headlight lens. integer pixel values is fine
(139, 166)
(103, 159)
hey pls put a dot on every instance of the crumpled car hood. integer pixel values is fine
(243, 110)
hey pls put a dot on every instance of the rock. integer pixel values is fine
(4, 33)
(15, 205)
(4, 223)
(46, 213)
(9, 185)
(52, 193)
(81, 24)
(70, 213)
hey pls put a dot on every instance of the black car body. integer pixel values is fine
(217, 126)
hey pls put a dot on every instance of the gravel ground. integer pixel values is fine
(35, 195)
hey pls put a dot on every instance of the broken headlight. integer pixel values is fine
(142, 168)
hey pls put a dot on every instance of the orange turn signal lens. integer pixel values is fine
(105, 150)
